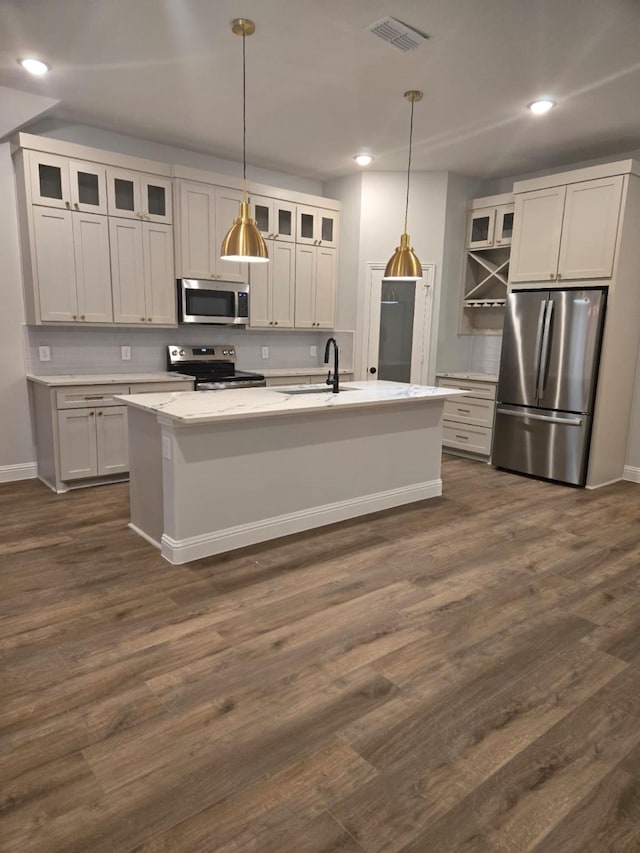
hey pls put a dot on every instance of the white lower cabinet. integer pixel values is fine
(467, 424)
(93, 442)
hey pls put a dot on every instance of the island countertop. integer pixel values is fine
(198, 407)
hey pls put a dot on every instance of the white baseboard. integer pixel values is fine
(25, 471)
(144, 535)
(631, 473)
(206, 545)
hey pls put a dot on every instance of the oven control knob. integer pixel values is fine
(174, 352)
(181, 352)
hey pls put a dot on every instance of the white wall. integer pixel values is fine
(16, 446)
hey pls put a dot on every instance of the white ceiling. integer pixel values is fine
(320, 87)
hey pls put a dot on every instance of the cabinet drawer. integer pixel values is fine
(471, 438)
(81, 396)
(469, 410)
(483, 390)
(160, 387)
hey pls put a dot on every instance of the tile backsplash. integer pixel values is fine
(83, 350)
(485, 353)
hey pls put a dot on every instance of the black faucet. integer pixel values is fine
(332, 380)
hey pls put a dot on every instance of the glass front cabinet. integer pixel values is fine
(490, 226)
(317, 227)
(135, 195)
(71, 184)
(275, 219)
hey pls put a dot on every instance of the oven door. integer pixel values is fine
(219, 303)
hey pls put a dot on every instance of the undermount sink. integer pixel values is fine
(314, 389)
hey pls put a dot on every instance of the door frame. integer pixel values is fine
(427, 282)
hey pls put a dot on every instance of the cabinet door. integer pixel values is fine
(88, 186)
(480, 228)
(260, 292)
(590, 228)
(282, 265)
(227, 209)
(198, 250)
(55, 262)
(93, 267)
(156, 199)
(307, 230)
(77, 444)
(262, 210)
(123, 193)
(49, 180)
(503, 228)
(159, 281)
(325, 287)
(127, 270)
(536, 236)
(112, 441)
(284, 221)
(304, 294)
(327, 221)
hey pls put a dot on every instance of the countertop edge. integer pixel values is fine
(60, 380)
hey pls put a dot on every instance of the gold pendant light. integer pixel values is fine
(404, 265)
(244, 242)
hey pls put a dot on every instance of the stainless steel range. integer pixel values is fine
(213, 367)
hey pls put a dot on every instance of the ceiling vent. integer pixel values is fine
(399, 35)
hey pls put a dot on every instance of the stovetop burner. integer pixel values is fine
(213, 367)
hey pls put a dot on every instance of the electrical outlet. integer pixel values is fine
(265, 352)
(125, 353)
(44, 353)
(313, 352)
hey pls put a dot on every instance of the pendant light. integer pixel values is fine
(404, 265)
(244, 242)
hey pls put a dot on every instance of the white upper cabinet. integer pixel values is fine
(135, 195)
(72, 184)
(316, 226)
(537, 232)
(142, 272)
(55, 265)
(315, 287)
(272, 294)
(205, 214)
(590, 228)
(93, 268)
(566, 233)
(276, 220)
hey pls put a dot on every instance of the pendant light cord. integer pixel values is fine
(244, 114)
(406, 208)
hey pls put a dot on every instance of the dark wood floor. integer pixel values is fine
(459, 675)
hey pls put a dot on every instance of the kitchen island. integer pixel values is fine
(216, 470)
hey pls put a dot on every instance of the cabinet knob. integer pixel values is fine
(559, 275)
(271, 322)
(82, 316)
(91, 414)
(498, 241)
(145, 216)
(99, 414)
(149, 319)
(319, 242)
(67, 204)
(74, 316)
(276, 323)
(142, 318)
(551, 275)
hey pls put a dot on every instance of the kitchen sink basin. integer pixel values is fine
(314, 389)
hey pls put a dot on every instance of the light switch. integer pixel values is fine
(125, 353)
(44, 353)
(313, 351)
(265, 352)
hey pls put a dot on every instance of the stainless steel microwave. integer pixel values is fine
(224, 303)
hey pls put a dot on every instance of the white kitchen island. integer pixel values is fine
(211, 471)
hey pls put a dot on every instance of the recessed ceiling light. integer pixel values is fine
(363, 159)
(34, 66)
(543, 105)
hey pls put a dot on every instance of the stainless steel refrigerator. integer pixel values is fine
(547, 384)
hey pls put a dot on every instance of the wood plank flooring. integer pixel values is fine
(457, 675)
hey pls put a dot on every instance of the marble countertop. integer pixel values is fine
(476, 377)
(298, 371)
(106, 378)
(198, 407)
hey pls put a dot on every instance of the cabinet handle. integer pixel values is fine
(276, 323)
(464, 437)
(271, 322)
(149, 319)
(551, 275)
(559, 275)
(74, 316)
(82, 316)
(67, 204)
(91, 414)
(99, 414)
(498, 241)
(464, 411)
(142, 318)
(145, 216)
(319, 242)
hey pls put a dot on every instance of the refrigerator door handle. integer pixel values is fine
(544, 354)
(548, 418)
(538, 346)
